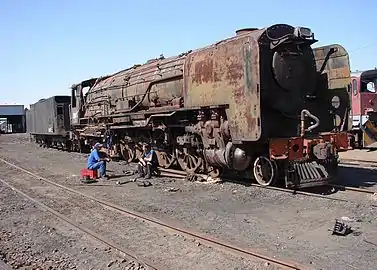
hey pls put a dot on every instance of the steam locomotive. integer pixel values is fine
(262, 104)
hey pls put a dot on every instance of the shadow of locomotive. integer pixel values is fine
(347, 176)
(357, 177)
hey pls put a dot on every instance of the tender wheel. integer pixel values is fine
(265, 171)
(188, 160)
(127, 152)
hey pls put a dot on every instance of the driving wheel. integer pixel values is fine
(128, 152)
(188, 160)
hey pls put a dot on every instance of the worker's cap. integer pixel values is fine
(97, 145)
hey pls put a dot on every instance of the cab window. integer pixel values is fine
(354, 87)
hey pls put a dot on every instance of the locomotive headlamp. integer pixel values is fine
(303, 32)
(335, 102)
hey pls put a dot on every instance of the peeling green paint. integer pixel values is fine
(248, 65)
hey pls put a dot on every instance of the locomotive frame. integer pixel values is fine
(213, 110)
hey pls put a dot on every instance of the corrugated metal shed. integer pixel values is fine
(8, 109)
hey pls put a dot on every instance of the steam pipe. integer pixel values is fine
(170, 78)
(330, 52)
(315, 118)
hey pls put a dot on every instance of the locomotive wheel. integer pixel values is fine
(138, 147)
(188, 160)
(128, 152)
(165, 154)
(165, 158)
(265, 171)
(138, 152)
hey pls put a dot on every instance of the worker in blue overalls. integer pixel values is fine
(95, 162)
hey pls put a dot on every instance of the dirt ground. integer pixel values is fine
(35, 239)
(124, 231)
(292, 227)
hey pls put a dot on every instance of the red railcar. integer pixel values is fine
(364, 108)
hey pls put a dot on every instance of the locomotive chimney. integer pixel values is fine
(243, 31)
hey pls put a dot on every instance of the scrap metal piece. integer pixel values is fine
(340, 228)
(143, 183)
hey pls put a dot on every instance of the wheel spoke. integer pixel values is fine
(165, 158)
(127, 152)
(188, 161)
(191, 162)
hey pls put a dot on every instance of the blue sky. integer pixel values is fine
(46, 46)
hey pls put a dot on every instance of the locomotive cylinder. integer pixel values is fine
(230, 157)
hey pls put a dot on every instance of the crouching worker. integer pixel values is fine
(95, 162)
(147, 162)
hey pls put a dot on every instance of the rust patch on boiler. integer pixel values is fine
(234, 73)
(203, 71)
(251, 121)
(238, 94)
(227, 73)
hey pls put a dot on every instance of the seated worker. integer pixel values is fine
(95, 162)
(147, 162)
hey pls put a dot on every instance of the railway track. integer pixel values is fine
(204, 239)
(127, 253)
(181, 174)
(344, 161)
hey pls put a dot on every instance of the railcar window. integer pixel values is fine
(354, 87)
(85, 90)
(73, 95)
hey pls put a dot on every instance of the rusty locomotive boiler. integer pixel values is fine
(258, 105)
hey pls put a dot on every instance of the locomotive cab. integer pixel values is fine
(77, 111)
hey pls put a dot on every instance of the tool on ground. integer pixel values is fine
(340, 228)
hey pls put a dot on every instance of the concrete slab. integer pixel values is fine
(363, 154)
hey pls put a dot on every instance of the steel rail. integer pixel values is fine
(198, 236)
(347, 188)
